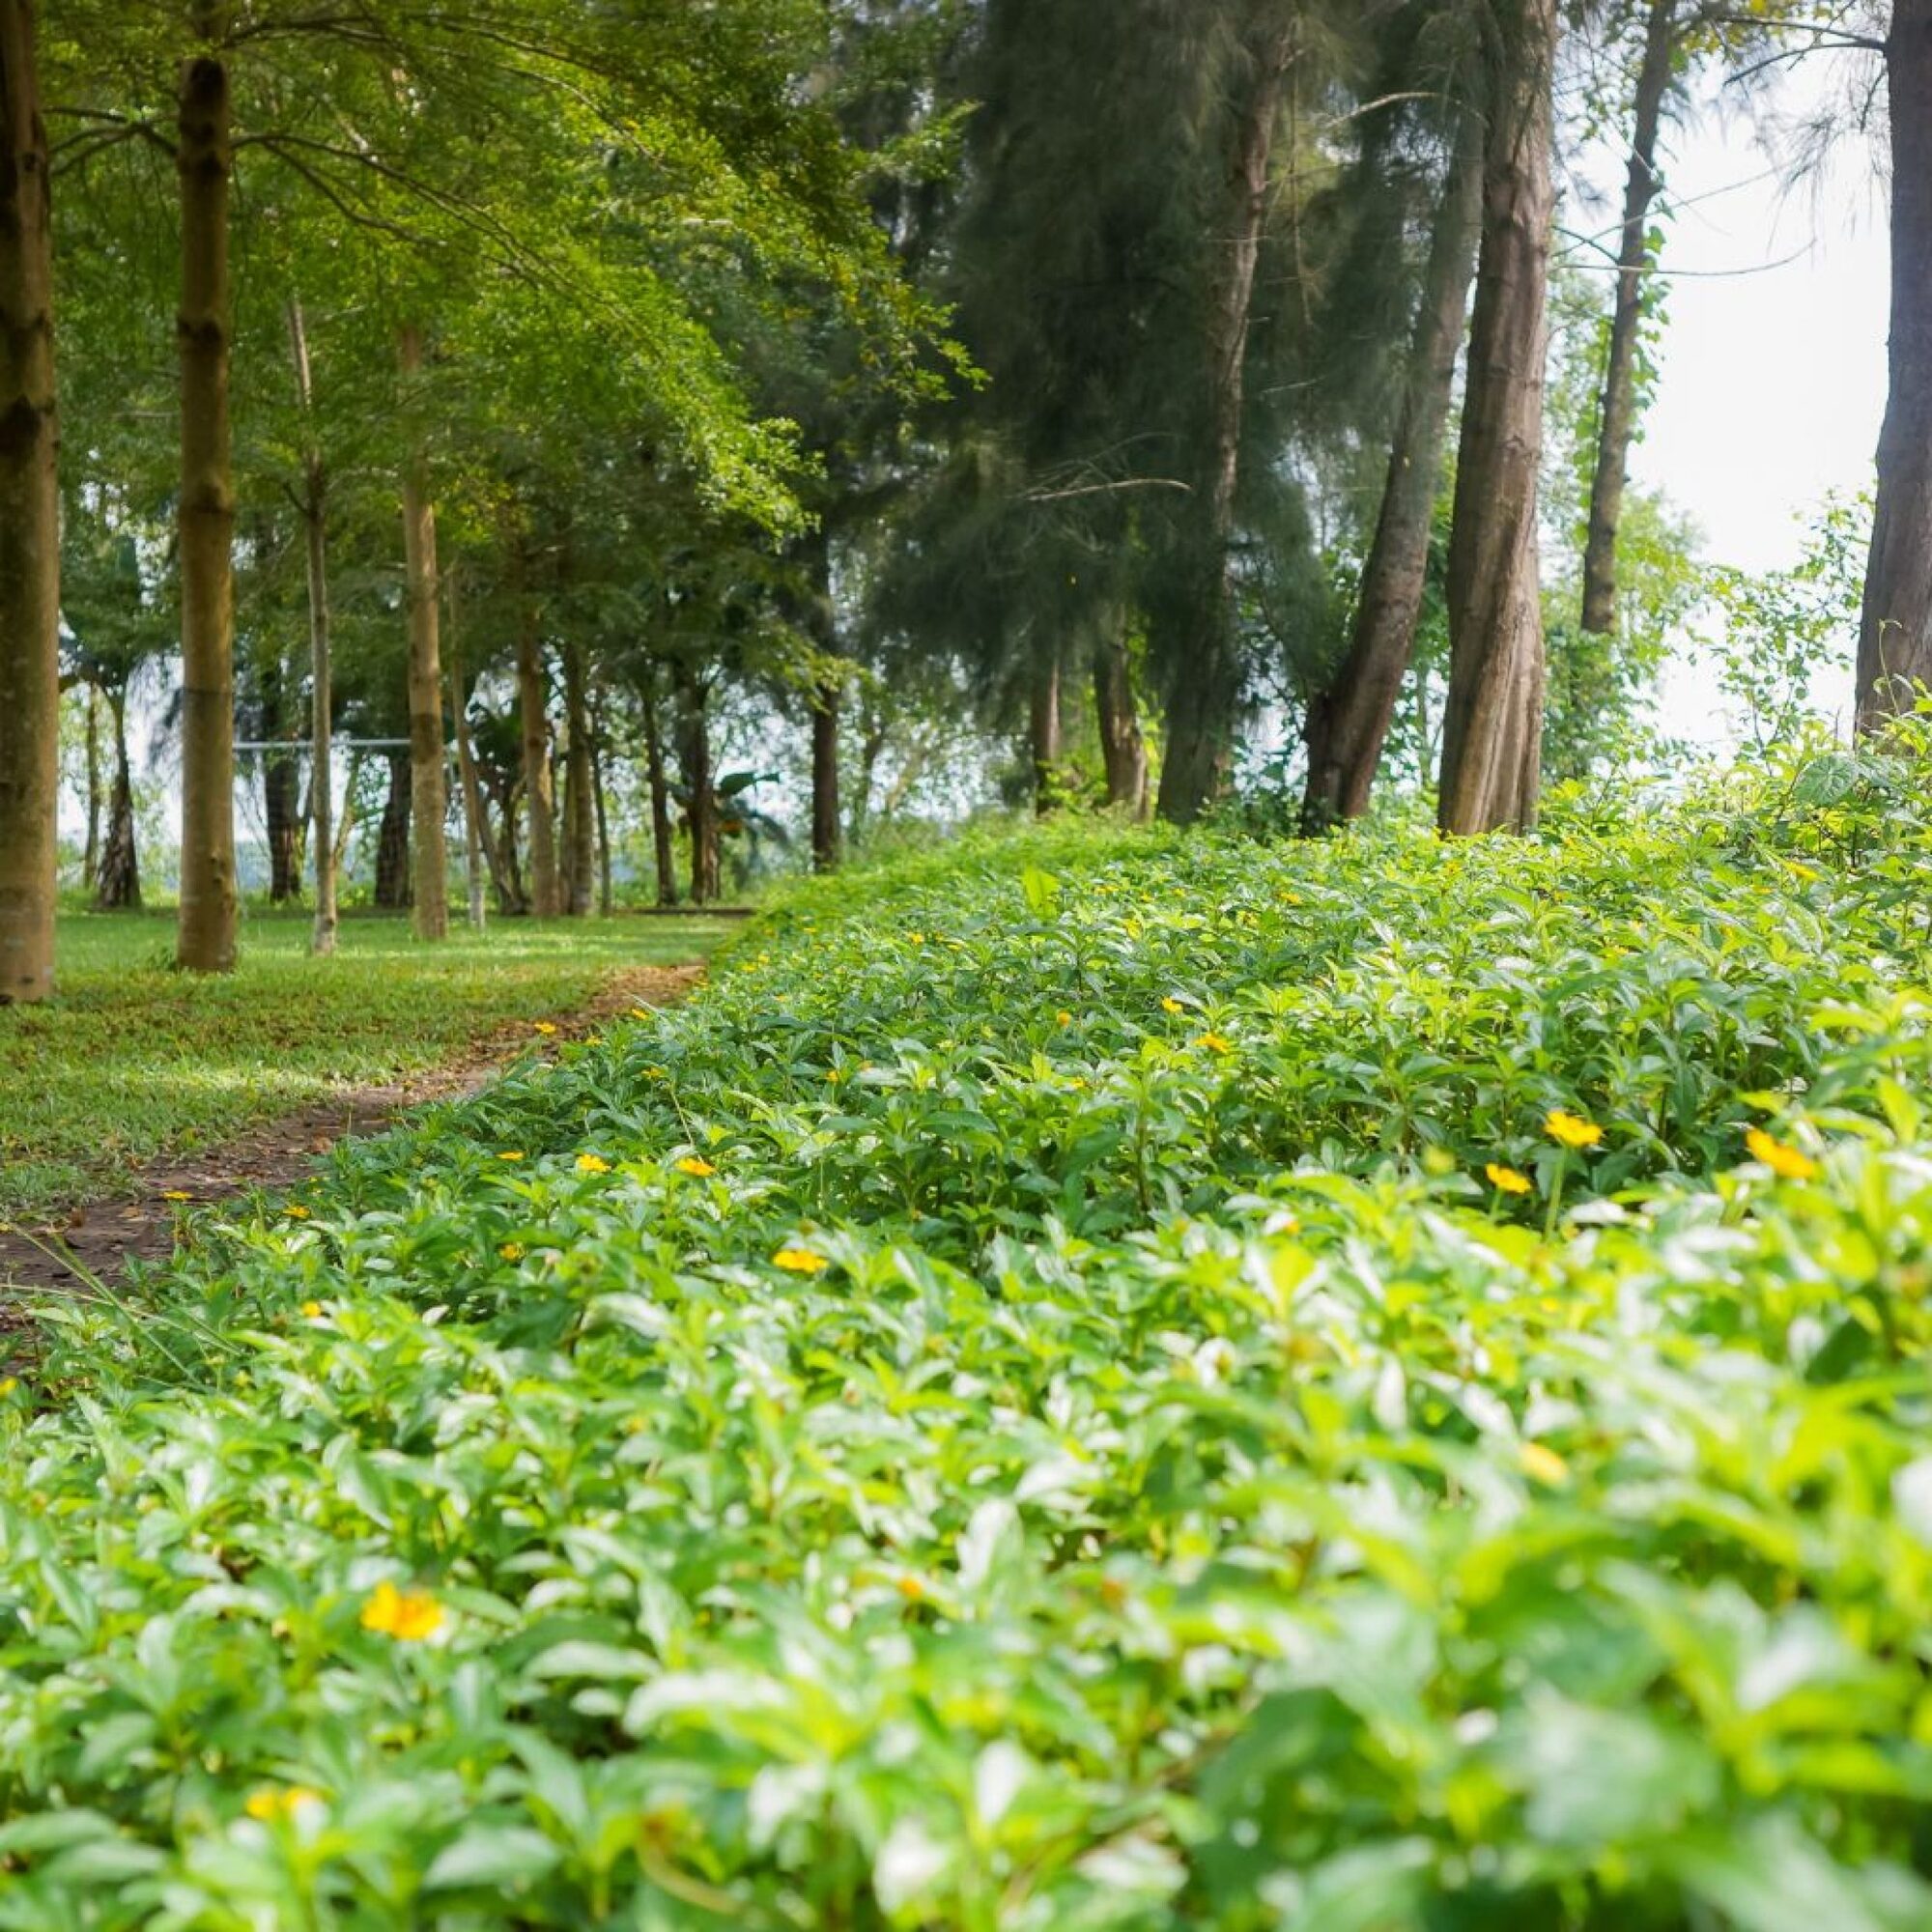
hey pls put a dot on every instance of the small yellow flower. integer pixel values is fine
(703, 1170)
(911, 1589)
(311, 1310)
(268, 1804)
(8, 1386)
(407, 1615)
(1543, 1465)
(1567, 1130)
(1786, 1162)
(512, 1251)
(544, 1027)
(296, 1211)
(1064, 1018)
(592, 1163)
(641, 1013)
(511, 1153)
(917, 938)
(800, 1260)
(1171, 1004)
(831, 1074)
(1508, 1178)
(1214, 1043)
(174, 1194)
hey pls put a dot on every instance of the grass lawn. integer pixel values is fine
(134, 1059)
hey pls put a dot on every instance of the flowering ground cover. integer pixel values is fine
(1087, 1381)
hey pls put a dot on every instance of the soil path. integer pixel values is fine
(99, 1240)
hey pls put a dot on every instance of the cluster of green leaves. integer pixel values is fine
(1024, 1407)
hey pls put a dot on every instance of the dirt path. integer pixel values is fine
(99, 1240)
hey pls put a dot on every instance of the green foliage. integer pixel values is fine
(1022, 1408)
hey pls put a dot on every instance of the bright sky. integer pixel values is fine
(1772, 379)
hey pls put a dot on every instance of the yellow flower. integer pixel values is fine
(701, 1169)
(311, 1310)
(1567, 1130)
(1543, 1465)
(641, 1014)
(800, 1260)
(544, 1027)
(407, 1615)
(1171, 1004)
(1214, 1043)
(917, 938)
(268, 1804)
(296, 1211)
(831, 1074)
(512, 1251)
(592, 1163)
(511, 1153)
(1508, 1178)
(174, 1194)
(1786, 1162)
(1066, 1019)
(8, 1386)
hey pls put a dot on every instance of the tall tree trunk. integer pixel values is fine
(1348, 723)
(475, 819)
(663, 851)
(1201, 663)
(429, 804)
(597, 769)
(90, 858)
(392, 837)
(579, 823)
(204, 157)
(281, 793)
(29, 530)
(545, 901)
(701, 791)
(1617, 427)
(1895, 639)
(827, 699)
(117, 884)
(322, 691)
(1043, 728)
(1492, 737)
(1123, 748)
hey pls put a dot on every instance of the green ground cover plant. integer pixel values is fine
(1093, 1381)
(136, 1060)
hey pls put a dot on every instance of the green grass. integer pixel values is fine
(1022, 1408)
(134, 1059)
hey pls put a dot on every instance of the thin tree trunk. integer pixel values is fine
(827, 701)
(1492, 737)
(476, 820)
(29, 530)
(1618, 424)
(117, 884)
(281, 793)
(429, 804)
(1895, 638)
(1202, 666)
(1043, 729)
(345, 825)
(392, 837)
(90, 858)
(545, 899)
(205, 160)
(579, 855)
(1348, 723)
(597, 744)
(1123, 748)
(322, 692)
(701, 791)
(511, 897)
(662, 852)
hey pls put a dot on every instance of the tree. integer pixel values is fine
(1896, 634)
(1491, 741)
(29, 528)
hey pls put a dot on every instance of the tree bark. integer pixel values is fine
(281, 793)
(429, 802)
(203, 159)
(1202, 669)
(700, 789)
(1492, 737)
(1348, 722)
(1123, 748)
(90, 858)
(1895, 638)
(117, 884)
(475, 819)
(578, 833)
(29, 529)
(545, 901)
(597, 745)
(322, 691)
(1618, 426)
(662, 851)
(392, 837)
(827, 831)
(1043, 742)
